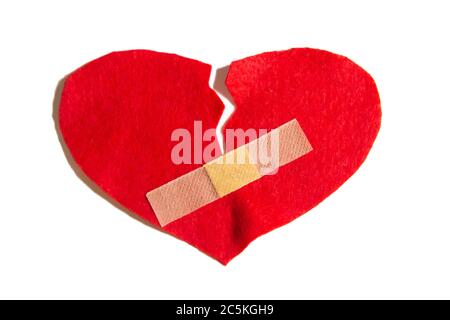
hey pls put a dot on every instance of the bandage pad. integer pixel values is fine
(229, 172)
(232, 171)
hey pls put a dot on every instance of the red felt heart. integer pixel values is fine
(117, 113)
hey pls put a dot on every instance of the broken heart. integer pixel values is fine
(117, 113)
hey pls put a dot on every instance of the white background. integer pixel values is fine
(384, 234)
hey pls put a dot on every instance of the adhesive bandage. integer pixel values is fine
(229, 172)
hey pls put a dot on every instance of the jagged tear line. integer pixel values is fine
(217, 83)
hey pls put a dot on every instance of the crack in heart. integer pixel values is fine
(217, 82)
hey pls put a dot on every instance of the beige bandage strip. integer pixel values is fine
(229, 172)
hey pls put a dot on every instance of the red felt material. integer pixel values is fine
(117, 114)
